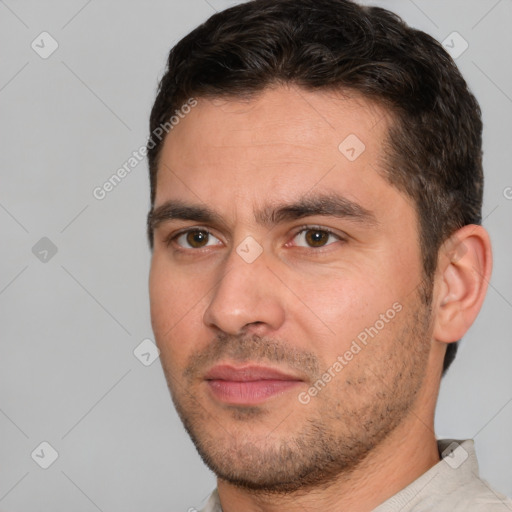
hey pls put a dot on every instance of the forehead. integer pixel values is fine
(281, 142)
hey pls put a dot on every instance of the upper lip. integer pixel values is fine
(246, 373)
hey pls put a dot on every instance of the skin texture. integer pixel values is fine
(368, 431)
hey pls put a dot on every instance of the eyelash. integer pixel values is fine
(329, 232)
(168, 240)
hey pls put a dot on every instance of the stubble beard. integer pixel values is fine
(336, 436)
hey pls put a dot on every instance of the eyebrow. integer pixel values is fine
(332, 205)
(329, 205)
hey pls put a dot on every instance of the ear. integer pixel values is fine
(463, 273)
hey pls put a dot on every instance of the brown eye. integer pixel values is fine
(315, 237)
(197, 238)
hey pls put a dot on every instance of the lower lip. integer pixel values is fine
(249, 392)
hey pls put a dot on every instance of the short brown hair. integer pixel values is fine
(434, 148)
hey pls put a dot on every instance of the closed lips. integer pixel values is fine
(247, 374)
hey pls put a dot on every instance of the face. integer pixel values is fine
(284, 286)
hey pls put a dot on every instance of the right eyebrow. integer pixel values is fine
(174, 209)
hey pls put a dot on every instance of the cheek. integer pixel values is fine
(161, 298)
(173, 306)
(353, 316)
(345, 304)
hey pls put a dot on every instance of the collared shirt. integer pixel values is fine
(452, 485)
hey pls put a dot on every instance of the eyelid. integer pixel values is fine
(173, 236)
(308, 227)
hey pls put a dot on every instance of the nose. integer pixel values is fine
(246, 298)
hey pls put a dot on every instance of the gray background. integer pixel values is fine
(69, 324)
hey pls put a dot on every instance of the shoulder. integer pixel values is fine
(478, 496)
(452, 485)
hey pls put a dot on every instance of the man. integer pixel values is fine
(316, 190)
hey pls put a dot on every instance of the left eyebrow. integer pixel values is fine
(332, 205)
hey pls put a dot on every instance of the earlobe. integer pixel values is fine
(464, 270)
